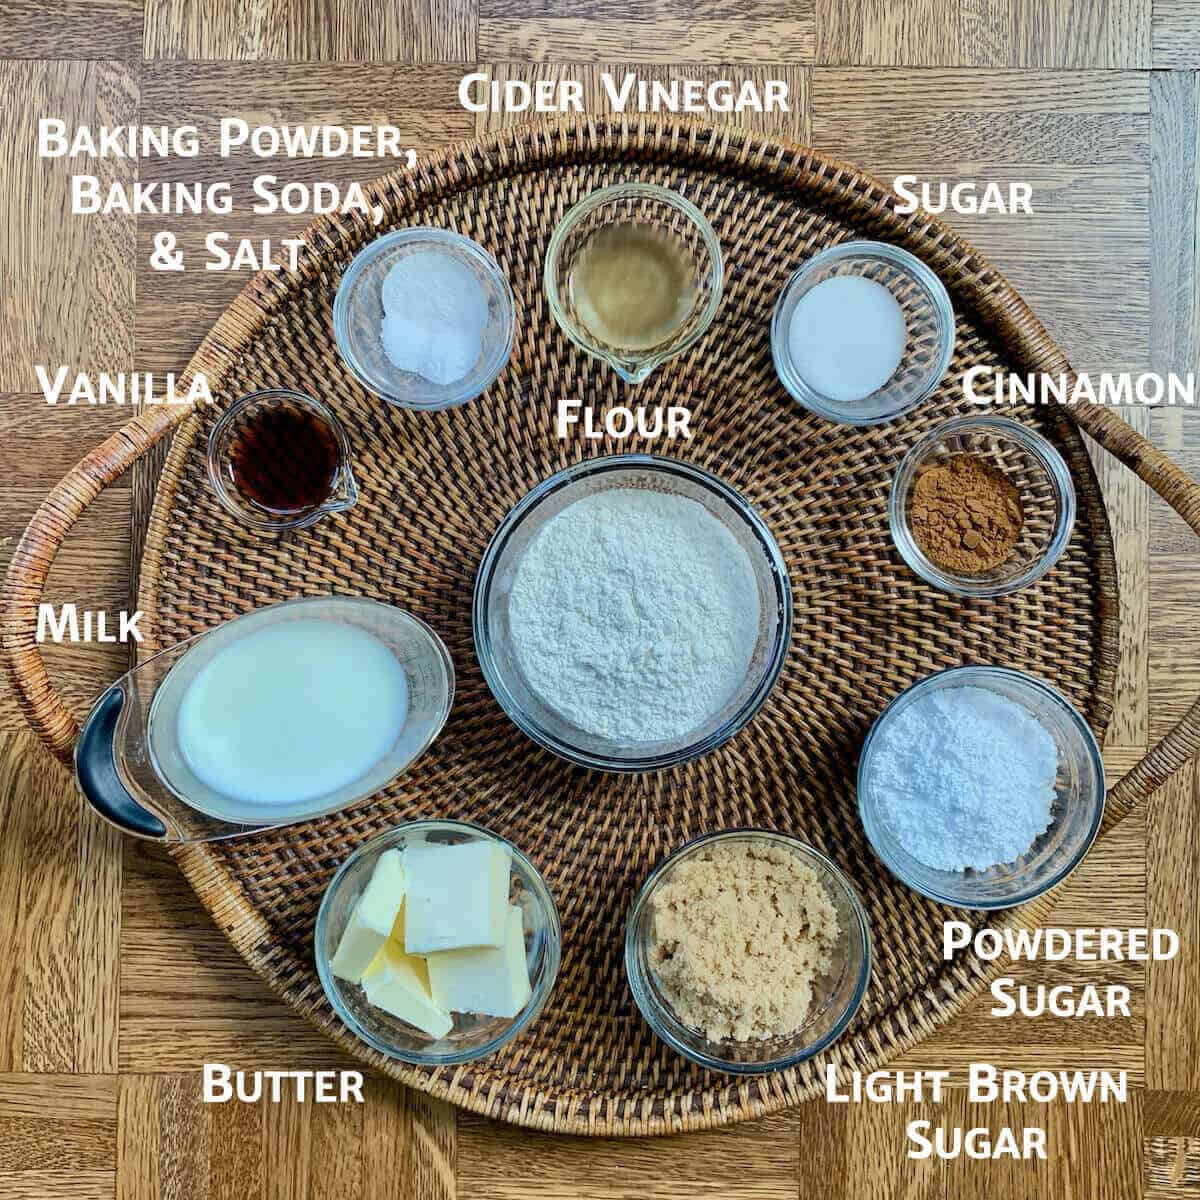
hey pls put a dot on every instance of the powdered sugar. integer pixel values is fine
(634, 614)
(965, 778)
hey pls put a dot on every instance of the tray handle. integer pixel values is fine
(25, 581)
(1182, 493)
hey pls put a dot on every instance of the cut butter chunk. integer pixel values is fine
(457, 896)
(373, 918)
(399, 984)
(489, 981)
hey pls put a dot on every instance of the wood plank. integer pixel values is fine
(73, 302)
(985, 33)
(1172, 1168)
(88, 29)
(1176, 34)
(494, 1161)
(409, 31)
(1173, 875)
(1174, 217)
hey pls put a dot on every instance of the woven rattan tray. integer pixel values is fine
(434, 487)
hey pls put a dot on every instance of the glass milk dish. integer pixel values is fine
(653, 213)
(145, 765)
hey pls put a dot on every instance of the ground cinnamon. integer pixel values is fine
(965, 515)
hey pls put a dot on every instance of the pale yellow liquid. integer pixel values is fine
(633, 286)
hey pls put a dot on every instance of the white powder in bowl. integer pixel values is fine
(965, 778)
(634, 614)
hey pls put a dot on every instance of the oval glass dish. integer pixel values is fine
(473, 1036)
(358, 318)
(836, 995)
(497, 569)
(1033, 466)
(1075, 811)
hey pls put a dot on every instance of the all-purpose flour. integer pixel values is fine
(634, 614)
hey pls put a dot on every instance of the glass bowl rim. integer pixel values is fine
(363, 259)
(1033, 443)
(539, 994)
(924, 275)
(485, 578)
(660, 1019)
(1091, 748)
(286, 523)
(615, 191)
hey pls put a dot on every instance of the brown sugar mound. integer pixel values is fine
(965, 515)
(738, 934)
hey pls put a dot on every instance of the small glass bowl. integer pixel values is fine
(641, 204)
(1075, 811)
(836, 996)
(497, 569)
(927, 313)
(223, 437)
(473, 1036)
(1039, 474)
(358, 316)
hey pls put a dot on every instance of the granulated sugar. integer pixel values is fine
(634, 614)
(965, 778)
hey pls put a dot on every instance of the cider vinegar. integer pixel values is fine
(633, 286)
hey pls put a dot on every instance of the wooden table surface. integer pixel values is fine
(114, 984)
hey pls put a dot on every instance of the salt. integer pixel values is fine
(965, 778)
(846, 337)
(435, 312)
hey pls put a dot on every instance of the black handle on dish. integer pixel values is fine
(96, 769)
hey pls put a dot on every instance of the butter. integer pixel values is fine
(494, 982)
(457, 896)
(377, 912)
(399, 984)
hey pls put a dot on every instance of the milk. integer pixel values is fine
(847, 337)
(292, 712)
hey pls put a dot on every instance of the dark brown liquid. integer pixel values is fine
(284, 459)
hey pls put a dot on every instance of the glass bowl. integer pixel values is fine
(358, 315)
(497, 570)
(836, 996)
(927, 314)
(1040, 475)
(236, 422)
(473, 1036)
(654, 207)
(1075, 811)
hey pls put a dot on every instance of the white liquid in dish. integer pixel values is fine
(292, 712)
(847, 337)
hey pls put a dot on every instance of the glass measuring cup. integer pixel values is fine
(131, 765)
(673, 218)
(279, 460)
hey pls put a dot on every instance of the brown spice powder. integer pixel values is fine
(738, 935)
(965, 515)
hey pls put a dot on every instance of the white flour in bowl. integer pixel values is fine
(634, 614)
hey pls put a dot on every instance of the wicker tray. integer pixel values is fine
(434, 486)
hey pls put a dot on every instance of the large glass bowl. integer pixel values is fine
(473, 1036)
(836, 995)
(1075, 811)
(498, 568)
